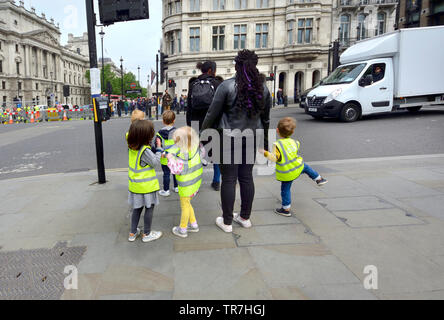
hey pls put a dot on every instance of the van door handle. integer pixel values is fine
(383, 88)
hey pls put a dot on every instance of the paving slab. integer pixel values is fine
(397, 187)
(433, 205)
(208, 238)
(343, 291)
(353, 203)
(123, 279)
(207, 275)
(99, 252)
(377, 218)
(281, 269)
(273, 235)
(86, 288)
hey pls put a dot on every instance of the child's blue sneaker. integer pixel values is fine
(132, 236)
(321, 181)
(283, 212)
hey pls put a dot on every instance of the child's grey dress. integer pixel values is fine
(136, 200)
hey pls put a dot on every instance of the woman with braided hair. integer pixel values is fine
(241, 106)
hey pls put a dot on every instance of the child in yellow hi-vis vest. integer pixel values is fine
(142, 181)
(185, 161)
(289, 165)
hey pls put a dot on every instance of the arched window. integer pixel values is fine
(380, 27)
(361, 27)
(344, 29)
(316, 77)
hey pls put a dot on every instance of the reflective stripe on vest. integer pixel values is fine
(291, 164)
(189, 182)
(166, 145)
(140, 179)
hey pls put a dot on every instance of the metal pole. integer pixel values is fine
(90, 17)
(121, 71)
(329, 58)
(274, 86)
(103, 64)
(157, 87)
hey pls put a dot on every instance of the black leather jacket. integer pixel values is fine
(221, 114)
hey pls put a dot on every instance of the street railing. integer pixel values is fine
(356, 3)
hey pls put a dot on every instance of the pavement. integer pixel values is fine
(381, 212)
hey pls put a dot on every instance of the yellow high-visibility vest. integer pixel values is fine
(291, 164)
(141, 179)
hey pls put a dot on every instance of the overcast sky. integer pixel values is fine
(136, 41)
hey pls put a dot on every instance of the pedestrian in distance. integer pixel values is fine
(165, 137)
(142, 181)
(289, 165)
(185, 162)
(166, 101)
(242, 102)
(200, 96)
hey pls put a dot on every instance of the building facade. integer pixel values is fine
(355, 20)
(34, 66)
(420, 13)
(289, 36)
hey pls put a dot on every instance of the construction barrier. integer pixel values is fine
(49, 115)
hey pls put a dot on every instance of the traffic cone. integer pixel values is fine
(32, 117)
(10, 119)
(64, 116)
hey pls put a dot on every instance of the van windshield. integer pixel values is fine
(344, 74)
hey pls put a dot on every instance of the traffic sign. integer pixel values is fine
(133, 86)
(139, 91)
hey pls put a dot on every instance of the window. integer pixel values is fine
(376, 71)
(194, 39)
(305, 27)
(240, 36)
(240, 4)
(4, 85)
(179, 41)
(344, 30)
(178, 6)
(19, 85)
(361, 27)
(0, 45)
(170, 8)
(262, 35)
(17, 48)
(219, 38)
(1, 66)
(218, 4)
(18, 67)
(194, 5)
(380, 27)
(36, 86)
(261, 3)
(290, 32)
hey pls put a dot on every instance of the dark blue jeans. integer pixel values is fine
(286, 186)
(216, 176)
(166, 178)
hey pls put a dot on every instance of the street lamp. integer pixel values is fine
(52, 88)
(138, 69)
(102, 34)
(121, 73)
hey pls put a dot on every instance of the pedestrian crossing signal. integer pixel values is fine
(112, 11)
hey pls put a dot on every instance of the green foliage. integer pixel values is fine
(116, 82)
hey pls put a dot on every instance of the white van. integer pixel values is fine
(399, 70)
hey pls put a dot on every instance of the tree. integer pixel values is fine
(116, 83)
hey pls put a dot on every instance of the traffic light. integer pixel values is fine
(171, 83)
(271, 77)
(163, 66)
(112, 11)
(66, 91)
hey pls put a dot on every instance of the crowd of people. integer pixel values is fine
(236, 109)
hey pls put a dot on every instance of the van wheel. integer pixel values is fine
(350, 113)
(414, 109)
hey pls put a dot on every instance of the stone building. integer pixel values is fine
(78, 44)
(34, 66)
(355, 20)
(292, 36)
(420, 13)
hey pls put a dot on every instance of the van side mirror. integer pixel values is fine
(363, 82)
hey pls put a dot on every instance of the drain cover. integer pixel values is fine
(36, 274)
